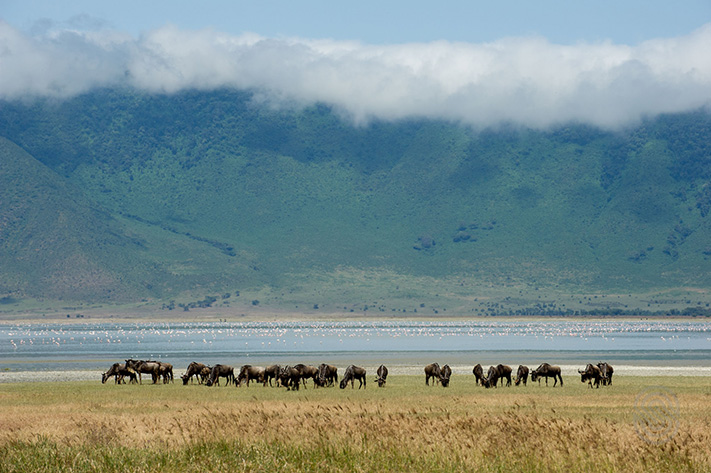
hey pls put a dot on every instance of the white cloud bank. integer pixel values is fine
(527, 81)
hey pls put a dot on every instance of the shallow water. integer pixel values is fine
(401, 343)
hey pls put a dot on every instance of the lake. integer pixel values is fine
(95, 346)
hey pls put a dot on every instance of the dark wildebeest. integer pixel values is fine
(547, 371)
(149, 367)
(591, 373)
(444, 374)
(382, 376)
(478, 374)
(327, 374)
(432, 371)
(194, 369)
(491, 378)
(352, 373)
(504, 373)
(307, 372)
(205, 373)
(166, 371)
(249, 373)
(221, 371)
(521, 375)
(606, 373)
(290, 377)
(271, 372)
(119, 371)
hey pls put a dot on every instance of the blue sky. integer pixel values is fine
(538, 63)
(381, 22)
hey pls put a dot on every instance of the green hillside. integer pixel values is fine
(131, 196)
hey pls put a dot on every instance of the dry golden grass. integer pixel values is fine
(464, 427)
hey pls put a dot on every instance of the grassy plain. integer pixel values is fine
(406, 426)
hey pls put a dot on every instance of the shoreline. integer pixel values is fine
(272, 317)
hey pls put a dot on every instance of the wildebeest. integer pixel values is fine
(205, 373)
(148, 367)
(271, 372)
(352, 373)
(119, 371)
(382, 376)
(591, 373)
(166, 371)
(478, 372)
(248, 373)
(432, 371)
(290, 377)
(221, 371)
(521, 375)
(327, 374)
(307, 372)
(547, 371)
(607, 372)
(504, 373)
(491, 378)
(194, 369)
(444, 374)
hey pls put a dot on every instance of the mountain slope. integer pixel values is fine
(55, 243)
(264, 197)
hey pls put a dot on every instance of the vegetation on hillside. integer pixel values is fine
(213, 191)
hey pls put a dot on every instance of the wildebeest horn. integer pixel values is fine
(581, 371)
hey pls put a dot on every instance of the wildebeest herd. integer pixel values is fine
(326, 375)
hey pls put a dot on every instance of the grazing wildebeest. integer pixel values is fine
(521, 375)
(444, 374)
(327, 374)
(141, 366)
(271, 372)
(504, 373)
(478, 374)
(591, 373)
(432, 371)
(194, 369)
(352, 373)
(248, 373)
(205, 373)
(382, 376)
(166, 371)
(307, 372)
(221, 371)
(491, 378)
(606, 373)
(290, 377)
(547, 371)
(119, 371)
